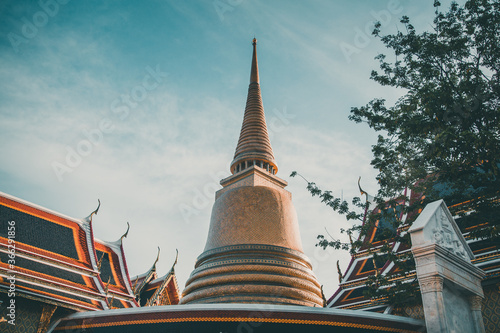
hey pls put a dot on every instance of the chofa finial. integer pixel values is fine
(126, 232)
(88, 219)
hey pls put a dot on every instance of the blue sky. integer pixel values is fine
(150, 97)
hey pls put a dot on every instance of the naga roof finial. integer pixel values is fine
(88, 219)
(126, 232)
(176, 257)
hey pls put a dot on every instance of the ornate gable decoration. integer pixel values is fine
(449, 282)
(435, 225)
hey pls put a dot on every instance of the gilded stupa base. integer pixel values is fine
(253, 273)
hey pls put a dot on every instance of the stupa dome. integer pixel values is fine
(254, 215)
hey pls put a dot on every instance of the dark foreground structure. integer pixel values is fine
(252, 276)
(218, 318)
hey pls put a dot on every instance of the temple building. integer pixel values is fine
(149, 289)
(352, 283)
(253, 274)
(51, 266)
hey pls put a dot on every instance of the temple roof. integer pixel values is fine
(350, 295)
(237, 318)
(151, 290)
(54, 258)
(254, 145)
(141, 280)
(58, 261)
(162, 291)
(114, 274)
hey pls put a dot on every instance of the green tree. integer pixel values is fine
(441, 138)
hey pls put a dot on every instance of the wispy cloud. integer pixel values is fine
(170, 151)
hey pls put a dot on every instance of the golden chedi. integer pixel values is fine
(253, 252)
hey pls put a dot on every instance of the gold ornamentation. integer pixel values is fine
(339, 272)
(431, 284)
(47, 312)
(241, 320)
(476, 302)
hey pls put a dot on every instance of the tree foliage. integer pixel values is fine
(441, 138)
(446, 127)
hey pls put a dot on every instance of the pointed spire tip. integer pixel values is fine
(254, 146)
(254, 73)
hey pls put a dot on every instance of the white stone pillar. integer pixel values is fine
(476, 303)
(431, 288)
(450, 284)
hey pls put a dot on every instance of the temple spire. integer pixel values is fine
(254, 146)
(253, 252)
(254, 74)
